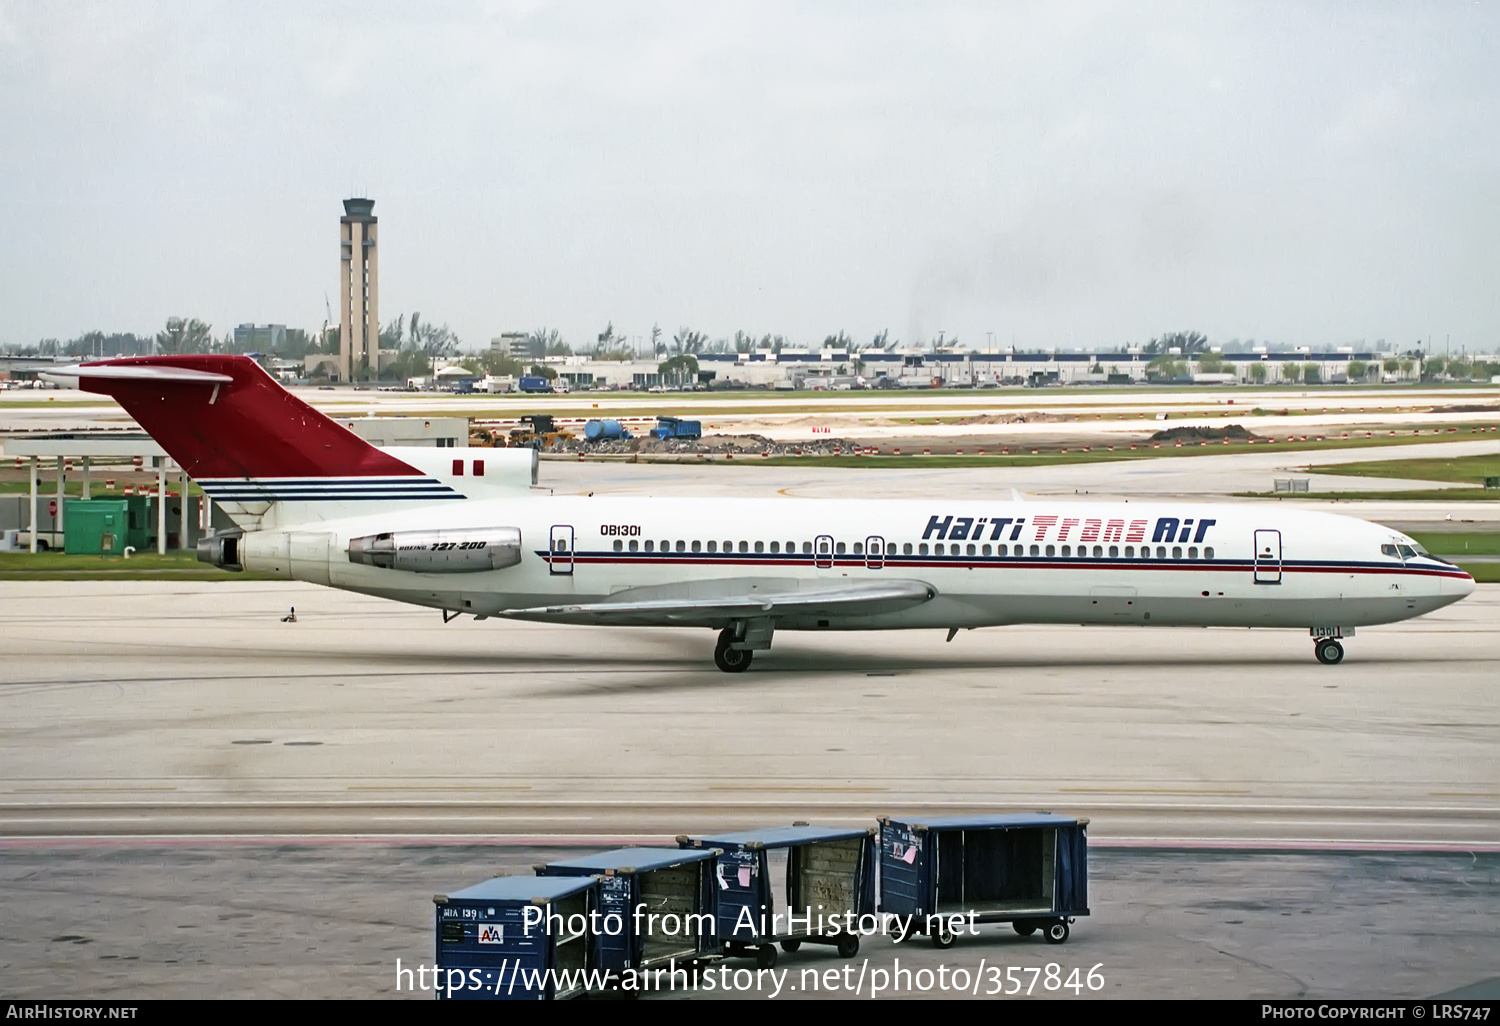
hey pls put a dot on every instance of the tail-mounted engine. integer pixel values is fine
(222, 550)
(456, 551)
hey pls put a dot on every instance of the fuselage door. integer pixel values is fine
(1267, 557)
(823, 552)
(874, 552)
(560, 550)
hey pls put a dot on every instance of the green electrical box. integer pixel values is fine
(103, 527)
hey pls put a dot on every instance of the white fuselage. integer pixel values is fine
(990, 562)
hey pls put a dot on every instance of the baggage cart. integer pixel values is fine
(517, 938)
(659, 906)
(829, 875)
(1029, 870)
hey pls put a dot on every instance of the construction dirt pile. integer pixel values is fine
(711, 445)
(1194, 433)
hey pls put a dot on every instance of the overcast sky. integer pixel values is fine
(1052, 173)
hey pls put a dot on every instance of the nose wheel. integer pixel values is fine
(1329, 652)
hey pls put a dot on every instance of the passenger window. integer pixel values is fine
(922, 549)
(635, 546)
(1035, 551)
(744, 546)
(1067, 550)
(619, 545)
(890, 548)
(1129, 551)
(760, 546)
(1000, 550)
(776, 546)
(713, 546)
(697, 546)
(839, 548)
(986, 550)
(1176, 551)
(906, 549)
(806, 548)
(666, 546)
(938, 549)
(1208, 553)
(1161, 552)
(649, 545)
(681, 546)
(791, 546)
(1193, 552)
(971, 550)
(859, 548)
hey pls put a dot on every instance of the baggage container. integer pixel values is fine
(828, 873)
(665, 899)
(1029, 870)
(502, 939)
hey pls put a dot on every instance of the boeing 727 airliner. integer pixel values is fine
(463, 531)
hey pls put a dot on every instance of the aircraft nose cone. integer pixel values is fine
(1458, 587)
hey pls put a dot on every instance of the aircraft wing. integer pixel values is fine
(645, 606)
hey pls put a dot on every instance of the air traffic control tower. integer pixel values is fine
(359, 311)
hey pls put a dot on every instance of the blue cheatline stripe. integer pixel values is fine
(737, 559)
(326, 489)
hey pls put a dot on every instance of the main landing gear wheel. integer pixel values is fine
(1329, 652)
(731, 660)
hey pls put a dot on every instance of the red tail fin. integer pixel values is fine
(225, 417)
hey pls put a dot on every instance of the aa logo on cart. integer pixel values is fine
(491, 933)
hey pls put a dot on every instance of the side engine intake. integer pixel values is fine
(456, 551)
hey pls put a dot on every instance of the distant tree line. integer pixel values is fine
(419, 344)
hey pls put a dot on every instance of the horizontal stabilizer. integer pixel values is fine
(824, 599)
(160, 374)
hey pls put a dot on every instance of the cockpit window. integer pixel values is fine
(1390, 550)
(1407, 552)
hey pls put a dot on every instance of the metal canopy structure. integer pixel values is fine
(101, 448)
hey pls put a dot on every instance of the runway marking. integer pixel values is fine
(790, 787)
(1147, 790)
(1247, 844)
(1464, 794)
(438, 787)
(66, 788)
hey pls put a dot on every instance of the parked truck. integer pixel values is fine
(674, 427)
(534, 383)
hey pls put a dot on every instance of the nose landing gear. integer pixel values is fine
(1328, 651)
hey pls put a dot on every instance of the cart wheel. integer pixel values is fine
(790, 946)
(1057, 931)
(765, 956)
(942, 937)
(1025, 927)
(848, 946)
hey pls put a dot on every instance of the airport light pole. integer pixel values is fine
(34, 480)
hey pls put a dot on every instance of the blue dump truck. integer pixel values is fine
(674, 427)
